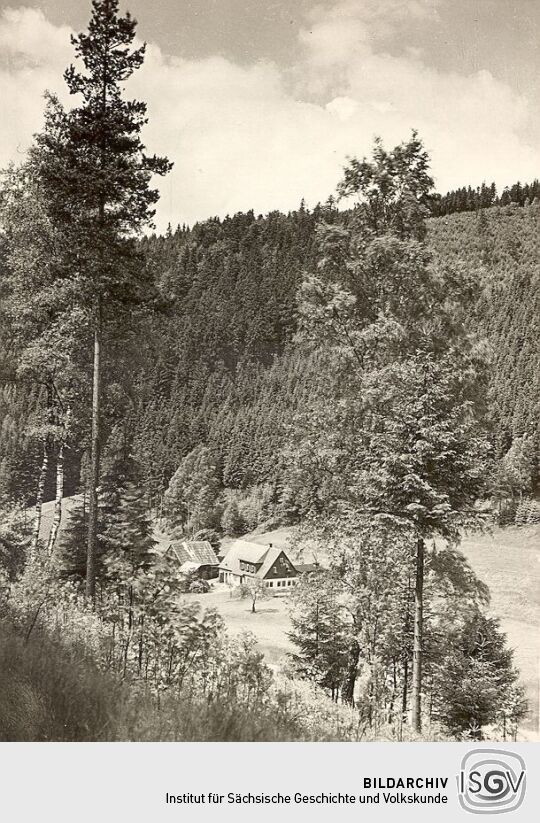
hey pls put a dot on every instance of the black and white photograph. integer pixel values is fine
(270, 372)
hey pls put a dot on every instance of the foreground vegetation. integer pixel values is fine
(58, 682)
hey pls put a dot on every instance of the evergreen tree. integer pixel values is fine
(191, 499)
(475, 684)
(125, 533)
(320, 631)
(44, 325)
(93, 159)
(125, 540)
(232, 521)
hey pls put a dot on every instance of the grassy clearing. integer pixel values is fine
(49, 692)
(508, 560)
(269, 624)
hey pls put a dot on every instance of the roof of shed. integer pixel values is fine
(194, 551)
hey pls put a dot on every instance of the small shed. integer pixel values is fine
(195, 557)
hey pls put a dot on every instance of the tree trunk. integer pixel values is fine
(58, 500)
(405, 693)
(39, 498)
(94, 457)
(404, 696)
(59, 485)
(416, 695)
(347, 689)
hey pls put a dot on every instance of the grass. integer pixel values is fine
(50, 693)
(508, 560)
(269, 624)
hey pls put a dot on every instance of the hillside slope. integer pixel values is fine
(227, 374)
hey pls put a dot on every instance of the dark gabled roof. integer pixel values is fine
(271, 556)
(194, 551)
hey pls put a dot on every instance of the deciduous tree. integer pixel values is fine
(403, 441)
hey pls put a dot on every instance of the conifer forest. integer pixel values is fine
(354, 387)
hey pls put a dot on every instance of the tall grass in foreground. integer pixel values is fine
(48, 692)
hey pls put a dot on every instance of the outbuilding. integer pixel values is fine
(195, 557)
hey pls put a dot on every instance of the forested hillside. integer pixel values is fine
(226, 373)
(220, 369)
(468, 199)
(502, 246)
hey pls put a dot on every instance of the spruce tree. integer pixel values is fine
(475, 684)
(124, 532)
(321, 632)
(232, 522)
(191, 498)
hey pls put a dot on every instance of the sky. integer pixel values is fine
(259, 102)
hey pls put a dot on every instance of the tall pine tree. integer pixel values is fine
(92, 157)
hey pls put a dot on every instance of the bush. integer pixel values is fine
(199, 587)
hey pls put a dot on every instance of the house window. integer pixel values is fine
(270, 584)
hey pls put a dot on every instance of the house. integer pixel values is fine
(195, 557)
(246, 560)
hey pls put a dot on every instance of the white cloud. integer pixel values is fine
(346, 29)
(27, 36)
(244, 137)
(33, 56)
(474, 126)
